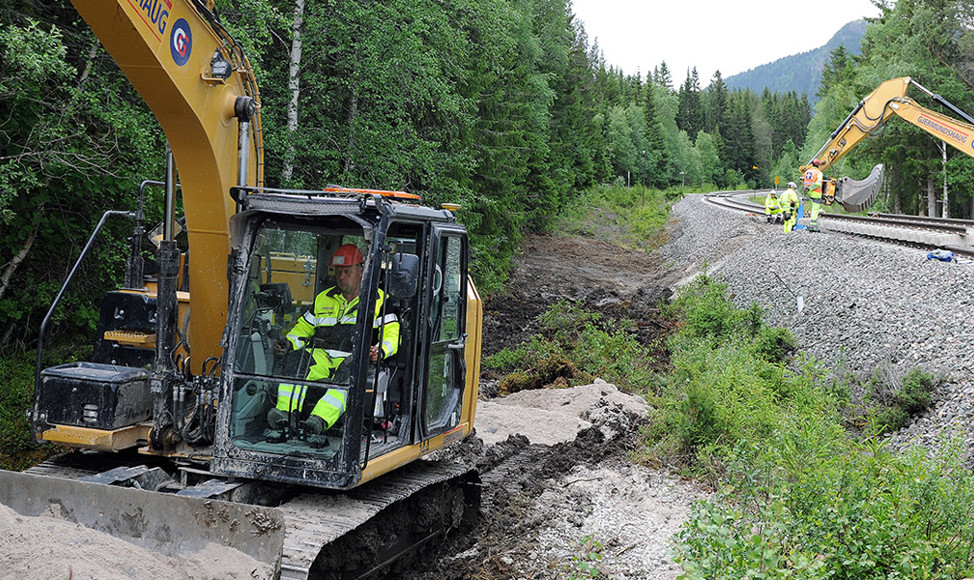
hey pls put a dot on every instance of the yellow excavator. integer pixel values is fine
(868, 118)
(172, 447)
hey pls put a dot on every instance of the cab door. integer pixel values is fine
(445, 333)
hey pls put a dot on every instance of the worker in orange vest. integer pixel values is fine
(812, 180)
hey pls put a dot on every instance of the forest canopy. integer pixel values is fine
(503, 106)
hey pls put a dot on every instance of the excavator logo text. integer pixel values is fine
(955, 134)
(155, 13)
(181, 42)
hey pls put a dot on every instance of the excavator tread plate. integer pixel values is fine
(314, 520)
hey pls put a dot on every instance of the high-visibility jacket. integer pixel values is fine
(337, 315)
(771, 205)
(812, 180)
(789, 201)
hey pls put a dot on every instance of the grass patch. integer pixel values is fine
(629, 216)
(574, 347)
(799, 495)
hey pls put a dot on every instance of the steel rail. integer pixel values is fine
(955, 228)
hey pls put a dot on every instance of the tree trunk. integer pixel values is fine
(943, 166)
(11, 267)
(294, 85)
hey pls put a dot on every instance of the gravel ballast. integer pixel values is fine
(868, 305)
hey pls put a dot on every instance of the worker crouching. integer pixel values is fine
(772, 208)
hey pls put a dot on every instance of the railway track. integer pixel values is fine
(920, 232)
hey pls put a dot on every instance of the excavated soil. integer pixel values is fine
(600, 276)
(555, 463)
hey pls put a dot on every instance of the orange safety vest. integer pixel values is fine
(813, 181)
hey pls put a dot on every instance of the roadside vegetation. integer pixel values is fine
(805, 483)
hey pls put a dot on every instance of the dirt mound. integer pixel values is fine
(50, 547)
(603, 278)
(551, 416)
(555, 462)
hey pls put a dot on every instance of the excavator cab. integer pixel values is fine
(283, 353)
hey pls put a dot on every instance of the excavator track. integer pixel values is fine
(359, 533)
(310, 534)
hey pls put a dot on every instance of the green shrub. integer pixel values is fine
(885, 399)
(774, 344)
(798, 495)
(585, 564)
(855, 511)
(575, 346)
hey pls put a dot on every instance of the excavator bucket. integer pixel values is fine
(166, 523)
(856, 196)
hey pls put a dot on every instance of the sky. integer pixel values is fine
(732, 37)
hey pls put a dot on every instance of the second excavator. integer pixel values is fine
(868, 118)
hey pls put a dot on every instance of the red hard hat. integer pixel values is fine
(347, 255)
(816, 162)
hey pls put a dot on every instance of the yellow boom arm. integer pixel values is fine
(196, 82)
(890, 99)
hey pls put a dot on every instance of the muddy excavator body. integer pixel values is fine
(169, 424)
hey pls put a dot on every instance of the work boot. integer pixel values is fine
(278, 419)
(313, 425)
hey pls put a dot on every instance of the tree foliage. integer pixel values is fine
(501, 105)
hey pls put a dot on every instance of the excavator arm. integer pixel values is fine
(869, 117)
(202, 90)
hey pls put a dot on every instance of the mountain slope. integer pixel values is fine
(799, 72)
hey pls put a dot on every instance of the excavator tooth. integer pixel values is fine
(856, 196)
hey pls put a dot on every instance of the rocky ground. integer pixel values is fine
(557, 479)
(555, 462)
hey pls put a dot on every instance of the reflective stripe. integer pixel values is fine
(334, 401)
(345, 320)
(336, 353)
(325, 321)
(297, 342)
(290, 400)
(388, 346)
(387, 319)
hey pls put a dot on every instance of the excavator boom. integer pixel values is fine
(198, 84)
(869, 117)
(176, 421)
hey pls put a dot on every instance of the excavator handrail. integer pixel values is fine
(64, 287)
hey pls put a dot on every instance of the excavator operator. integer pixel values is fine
(812, 180)
(328, 331)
